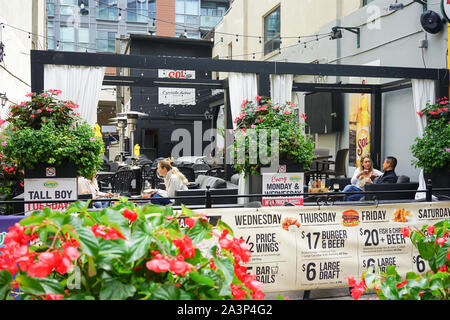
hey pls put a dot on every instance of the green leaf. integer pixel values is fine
(389, 288)
(199, 231)
(5, 280)
(32, 220)
(30, 285)
(113, 289)
(140, 241)
(51, 285)
(88, 241)
(426, 249)
(167, 291)
(195, 276)
(226, 267)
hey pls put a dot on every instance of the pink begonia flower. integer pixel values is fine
(30, 94)
(4, 143)
(92, 138)
(253, 126)
(44, 95)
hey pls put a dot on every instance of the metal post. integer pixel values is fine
(429, 191)
(207, 197)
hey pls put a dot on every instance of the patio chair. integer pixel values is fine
(339, 165)
(216, 172)
(121, 182)
(188, 173)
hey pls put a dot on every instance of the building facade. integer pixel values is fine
(94, 25)
(389, 35)
(22, 28)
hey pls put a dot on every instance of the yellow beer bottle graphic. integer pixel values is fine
(363, 129)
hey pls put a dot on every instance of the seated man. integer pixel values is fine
(388, 175)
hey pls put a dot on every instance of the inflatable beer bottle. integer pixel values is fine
(363, 129)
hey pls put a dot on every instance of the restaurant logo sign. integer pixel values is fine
(176, 96)
(176, 74)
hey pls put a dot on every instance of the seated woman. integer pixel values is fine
(86, 186)
(173, 180)
(364, 174)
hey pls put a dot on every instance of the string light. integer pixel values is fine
(82, 4)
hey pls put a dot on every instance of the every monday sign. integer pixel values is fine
(304, 248)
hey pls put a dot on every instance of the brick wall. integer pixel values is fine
(165, 10)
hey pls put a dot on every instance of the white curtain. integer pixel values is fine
(242, 86)
(80, 84)
(424, 92)
(281, 88)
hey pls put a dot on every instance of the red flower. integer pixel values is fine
(158, 264)
(420, 114)
(406, 231)
(430, 230)
(190, 222)
(401, 285)
(130, 215)
(443, 268)
(224, 242)
(440, 241)
(185, 246)
(359, 287)
(237, 292)
(179, 266)
(106, 232)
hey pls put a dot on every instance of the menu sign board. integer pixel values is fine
(282, 183)
(304, 248)
(49, 189)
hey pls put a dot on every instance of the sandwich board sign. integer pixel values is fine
(47, 184)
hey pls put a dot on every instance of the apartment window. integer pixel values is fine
(67, 7)
(366, 2)
(51, 35)
(152, 9)
(272, 31)
(106, 41)
(187, 11)
(67, 38)
(50, 8)
(83, 39)
(107, 10)
(137, 10)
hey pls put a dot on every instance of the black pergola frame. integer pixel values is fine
(262, 68)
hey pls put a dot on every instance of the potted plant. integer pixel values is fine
(294, 145)
(433, 245)
(124, 252)
(432, 150)
(47, 130)
(254, 128)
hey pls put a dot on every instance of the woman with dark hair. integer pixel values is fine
(173, 180)
(362, 175)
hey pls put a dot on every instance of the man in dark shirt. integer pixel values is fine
(389, 175)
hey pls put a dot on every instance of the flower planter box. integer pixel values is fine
(440, 178)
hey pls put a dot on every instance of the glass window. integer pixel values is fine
(83, 35)
(137, 10)
(67, 7)
(152, 9)
(107, 10)
(192, 19)
(106, 41)
(179, 6)
(50, 35)
(272, 31)
(179, 18)
(50, 8)
(67, 34)
(192, 7)
(366, 2)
